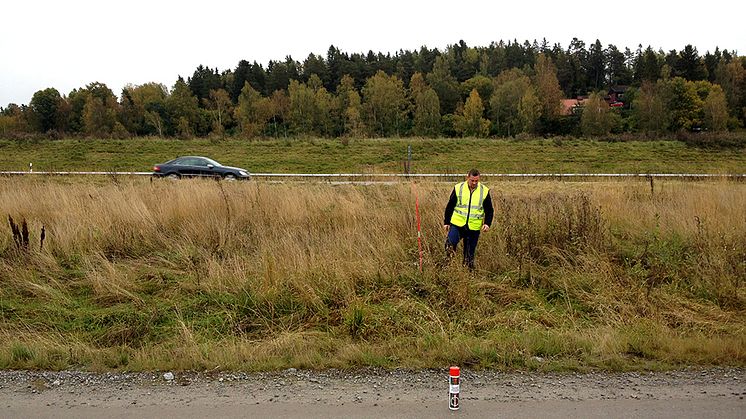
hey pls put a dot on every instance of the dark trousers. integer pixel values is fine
(470, 237)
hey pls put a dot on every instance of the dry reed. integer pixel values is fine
(199, 274)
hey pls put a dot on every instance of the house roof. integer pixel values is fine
(569, 104)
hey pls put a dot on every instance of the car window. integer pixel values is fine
(181, 162)
(191, 161)
(194, 161)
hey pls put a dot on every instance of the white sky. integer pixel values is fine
(68, 44)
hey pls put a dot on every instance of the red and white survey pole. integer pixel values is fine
(454, 381)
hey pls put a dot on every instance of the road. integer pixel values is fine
(691, 393)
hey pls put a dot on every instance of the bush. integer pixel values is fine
(713, 140)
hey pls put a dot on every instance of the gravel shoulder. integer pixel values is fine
(716, 392)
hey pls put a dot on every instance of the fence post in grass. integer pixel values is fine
(652, 191)
(408, 161)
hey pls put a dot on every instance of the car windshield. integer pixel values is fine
(210, 161)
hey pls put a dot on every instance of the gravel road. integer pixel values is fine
(691, 393)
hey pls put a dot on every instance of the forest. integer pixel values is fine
(506, 89)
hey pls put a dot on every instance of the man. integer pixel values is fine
(468, 212)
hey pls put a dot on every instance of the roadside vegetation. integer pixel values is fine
(554, 155)
(140, 275)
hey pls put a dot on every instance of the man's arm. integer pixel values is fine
(489, 212)
(449, 208)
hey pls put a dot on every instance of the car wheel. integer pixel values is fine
(173, 176)
(229, 177)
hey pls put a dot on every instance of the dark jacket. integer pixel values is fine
(453, 200)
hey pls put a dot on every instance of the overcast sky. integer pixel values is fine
(68, 44)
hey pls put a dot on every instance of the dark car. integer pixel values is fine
(196, 166)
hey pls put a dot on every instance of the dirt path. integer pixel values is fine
(373, 393)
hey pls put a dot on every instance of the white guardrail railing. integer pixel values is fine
(407, 176)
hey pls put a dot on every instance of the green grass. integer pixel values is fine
(142, 275)
(378, 155)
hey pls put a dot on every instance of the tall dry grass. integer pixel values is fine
(195, 274)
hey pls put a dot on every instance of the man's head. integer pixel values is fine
(472, 178)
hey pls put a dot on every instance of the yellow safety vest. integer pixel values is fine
(469, 206)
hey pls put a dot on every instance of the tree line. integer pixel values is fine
(504, 89)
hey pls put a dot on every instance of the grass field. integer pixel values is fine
(139, 275)
(378, 155)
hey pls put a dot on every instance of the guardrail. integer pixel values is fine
(63, 173)
(498, 175)
(408, 176)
